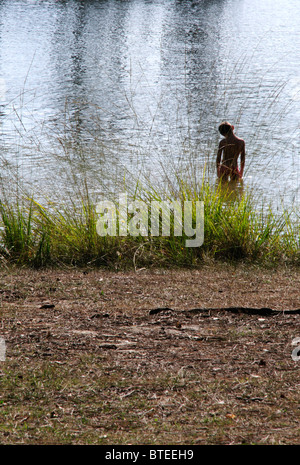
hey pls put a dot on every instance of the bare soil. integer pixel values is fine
(150, 357)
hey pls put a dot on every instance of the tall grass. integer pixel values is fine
(36, 235)
(36, 232)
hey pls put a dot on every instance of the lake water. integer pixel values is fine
(96, 88)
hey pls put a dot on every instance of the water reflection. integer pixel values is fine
(104, 86)
(232, 190)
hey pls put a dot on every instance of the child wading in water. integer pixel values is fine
(232, 147)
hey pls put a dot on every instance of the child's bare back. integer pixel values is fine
(230, 148)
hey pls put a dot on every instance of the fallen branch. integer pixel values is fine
(265, 311)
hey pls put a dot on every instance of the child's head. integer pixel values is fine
(226, 128)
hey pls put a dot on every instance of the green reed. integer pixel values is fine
(36, 235)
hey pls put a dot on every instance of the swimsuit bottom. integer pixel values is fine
(229, 171)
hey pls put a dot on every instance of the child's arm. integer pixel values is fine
(243, 156)
(219, 154)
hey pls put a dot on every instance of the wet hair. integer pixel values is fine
(225, 128)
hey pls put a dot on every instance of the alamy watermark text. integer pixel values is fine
(136, 218)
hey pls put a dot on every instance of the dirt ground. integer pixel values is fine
(150, 357)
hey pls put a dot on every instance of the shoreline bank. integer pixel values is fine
(87, 362)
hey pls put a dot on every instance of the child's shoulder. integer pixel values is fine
(238, 139)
